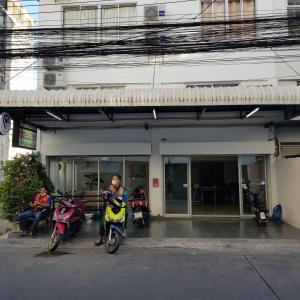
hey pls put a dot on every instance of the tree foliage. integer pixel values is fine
(23, 176)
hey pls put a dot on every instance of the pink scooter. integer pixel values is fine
(67, 219)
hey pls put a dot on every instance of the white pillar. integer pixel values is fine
(156, 171)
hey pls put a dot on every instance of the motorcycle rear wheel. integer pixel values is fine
(54, 240)
(113, 245)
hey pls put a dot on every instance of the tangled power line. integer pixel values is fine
(152, 39)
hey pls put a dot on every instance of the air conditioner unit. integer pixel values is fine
(53, 63)
(154, 13)
(54, 80)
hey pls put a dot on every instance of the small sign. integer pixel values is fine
(5, 123)
(155, 183)
(162, 13)
(24, 136)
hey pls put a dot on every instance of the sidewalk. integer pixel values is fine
(232, 236)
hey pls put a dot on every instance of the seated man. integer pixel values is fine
(39, 203)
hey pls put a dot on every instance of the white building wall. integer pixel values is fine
(287, 174)
(203, 72)
(4, 151)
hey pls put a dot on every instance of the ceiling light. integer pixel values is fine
(53, 115)
(252, 112)
(297, 118)
(154, 114)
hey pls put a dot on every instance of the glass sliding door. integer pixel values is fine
(253, 173)
(215, 185)
(176, 171)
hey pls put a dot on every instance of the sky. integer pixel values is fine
(32, 9)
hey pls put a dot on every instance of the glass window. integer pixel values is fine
(109, 18)
(76, 16)
(176, 185)
(86, 181)
(86, 174)
(137, 173)
(293, 21)
(293, 2)
(114, 15)
(127, 17)
(71, 18)
(61, 174)
(89, 19)
(110, 165)
(253, 182)
(212, 12)
(215, 185)
(219, 11)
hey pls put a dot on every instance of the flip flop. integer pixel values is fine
(21, 235)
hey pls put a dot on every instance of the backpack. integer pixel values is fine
(277, 214)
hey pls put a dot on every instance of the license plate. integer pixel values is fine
(262, 216)
(138, 215)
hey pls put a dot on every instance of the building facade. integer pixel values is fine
(193, 158)
(14, 15)
(209, 69)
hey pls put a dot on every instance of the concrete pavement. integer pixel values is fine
(162, 273)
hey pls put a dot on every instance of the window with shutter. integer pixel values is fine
(88, 19)
(221, 10)
(117, 15)
(71, 19)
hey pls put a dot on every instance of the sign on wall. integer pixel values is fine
(5, 123)
(24, 136)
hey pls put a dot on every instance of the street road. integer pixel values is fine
(146, 274)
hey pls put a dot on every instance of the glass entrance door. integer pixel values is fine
(253, 185)
(177, 185)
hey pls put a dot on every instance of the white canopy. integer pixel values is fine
(152, 97)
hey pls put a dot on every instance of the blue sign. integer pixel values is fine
(162, 13)
(3, 3)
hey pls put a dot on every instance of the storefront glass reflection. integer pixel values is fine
(86, 176)
(61, 173)
(109, 165)
(136, 173)
(253, 183)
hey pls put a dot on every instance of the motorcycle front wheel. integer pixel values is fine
(114, 243)
(54, 240)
